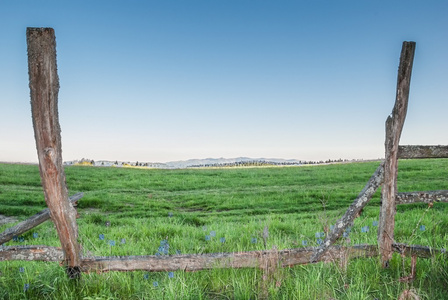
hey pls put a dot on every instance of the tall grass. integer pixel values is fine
(225, 210)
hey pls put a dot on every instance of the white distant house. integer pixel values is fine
(103, 163)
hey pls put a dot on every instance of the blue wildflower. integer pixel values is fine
(319, 241)
(375, 223)
(222, 240)
(155, 284)
(422, 227)
(170, 274)
(123, 241)
(213, 233)
(304, 243)
(207, 238)
(35, 235)
(101, 236)
(365, 229)
(146, 276)
(112, 243)
(26, 287)
(253, 240)
(163, 250)
(164, 247)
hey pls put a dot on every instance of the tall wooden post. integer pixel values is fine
(394, 126)
(44, 86)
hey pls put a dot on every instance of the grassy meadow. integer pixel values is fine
(128, 211)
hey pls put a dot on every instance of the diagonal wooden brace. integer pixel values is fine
(352, 212)
(31, 222)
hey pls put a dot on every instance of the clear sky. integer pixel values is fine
(157, 81)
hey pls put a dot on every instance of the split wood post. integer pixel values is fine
(44, 87)
(394, 126)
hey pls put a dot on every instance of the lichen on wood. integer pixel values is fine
(425, 197)
(197, 262)
(419, 151)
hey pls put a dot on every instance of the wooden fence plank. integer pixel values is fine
(39, 253)
(352, 212)
(197, 262)
(32, 222)
(236, 260)
(418, 151)
(394, 126)
(44, 87)
(426, 197)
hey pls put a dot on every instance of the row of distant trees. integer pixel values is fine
(256, 163)
(251, 163)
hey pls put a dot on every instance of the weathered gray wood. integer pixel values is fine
(40, 253)
(197, 262)
(426, 197)
(32, 222)
(417, 250)
(418, 151)
(394, 126)
(352, 212)
(44, 87)
(252, 259)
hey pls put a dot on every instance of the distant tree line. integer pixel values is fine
(250, 163)
(256, 163)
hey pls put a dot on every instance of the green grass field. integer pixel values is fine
(225, 210)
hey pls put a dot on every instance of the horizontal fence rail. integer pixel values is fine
(197, 262)
(417, 151)
(426, 197)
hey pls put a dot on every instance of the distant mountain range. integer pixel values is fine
(201, 163)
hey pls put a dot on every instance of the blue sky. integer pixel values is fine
(172, 80)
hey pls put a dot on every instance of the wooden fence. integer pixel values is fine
(44, 86)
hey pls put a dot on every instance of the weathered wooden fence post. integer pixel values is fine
(44, 86)
(394, 126)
